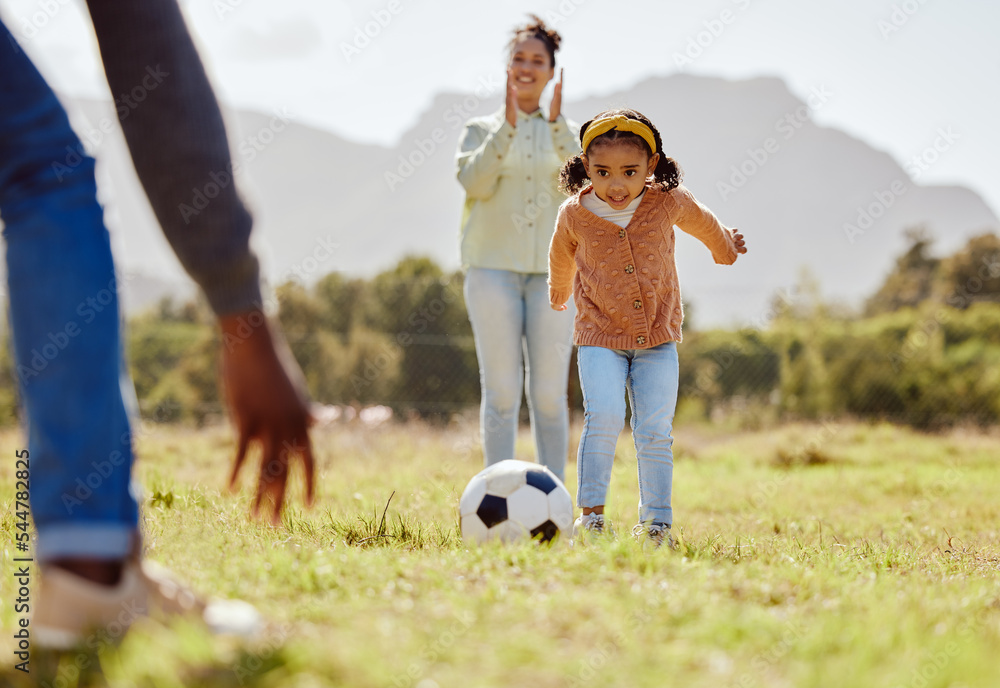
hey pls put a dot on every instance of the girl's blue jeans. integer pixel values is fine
(520, 338)
(650, 378)
(65, 324)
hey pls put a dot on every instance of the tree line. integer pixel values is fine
(923, 350)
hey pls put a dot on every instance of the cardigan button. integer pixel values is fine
(640, 340)
(637, 304)
(621, 233)
(629, 269)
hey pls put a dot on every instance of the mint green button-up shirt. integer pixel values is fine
(511, 178)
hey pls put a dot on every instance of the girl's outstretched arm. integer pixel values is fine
(701, 223)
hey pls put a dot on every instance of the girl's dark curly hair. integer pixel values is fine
(666, 176)
(536, 28)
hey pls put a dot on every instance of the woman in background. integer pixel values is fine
(508, 163)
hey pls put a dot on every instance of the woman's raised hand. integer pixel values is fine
(555, 109)
(511, 98)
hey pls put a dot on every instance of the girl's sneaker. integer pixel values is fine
(591, 525)
(656, 534)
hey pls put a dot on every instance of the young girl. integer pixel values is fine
(613, 249)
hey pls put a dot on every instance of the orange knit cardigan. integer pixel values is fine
(624, 281)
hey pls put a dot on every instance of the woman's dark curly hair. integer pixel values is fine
(536, 28)
(666, 176)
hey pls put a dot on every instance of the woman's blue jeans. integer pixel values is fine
(650, 378)
(65, 324)
(519, 338)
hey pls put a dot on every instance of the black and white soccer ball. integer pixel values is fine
(512, 500)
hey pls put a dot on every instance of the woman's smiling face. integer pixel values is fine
(531, 67)
(618, 170)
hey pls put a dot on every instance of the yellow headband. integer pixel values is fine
(621, 123)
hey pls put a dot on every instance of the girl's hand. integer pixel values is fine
(558, 306)
(511, 98)
(738, 240)
(555, 109)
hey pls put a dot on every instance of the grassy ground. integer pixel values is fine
(812, 555)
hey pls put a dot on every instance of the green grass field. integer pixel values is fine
(811, 555)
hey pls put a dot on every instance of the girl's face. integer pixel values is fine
(618, 171)
(531, 67)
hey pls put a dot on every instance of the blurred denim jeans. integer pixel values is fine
(519, 338)
(65, 324)
(650, 378)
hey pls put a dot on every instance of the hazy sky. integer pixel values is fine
(902, 72)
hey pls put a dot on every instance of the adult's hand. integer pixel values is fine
(265, 391)
(511, 98)
(555, 109)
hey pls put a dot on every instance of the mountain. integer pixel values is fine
(805, 196)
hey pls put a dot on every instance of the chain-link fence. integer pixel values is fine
(927, 369)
